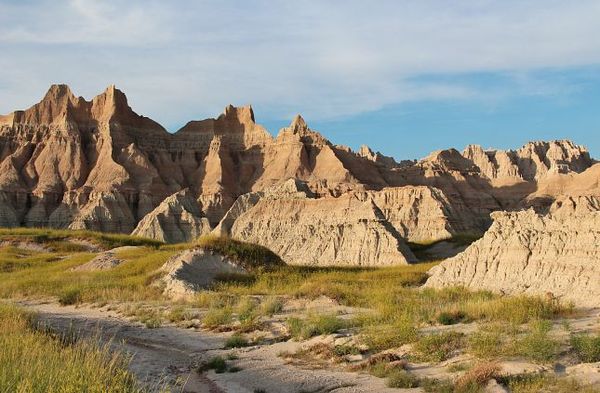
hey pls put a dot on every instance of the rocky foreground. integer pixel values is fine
(71, 163)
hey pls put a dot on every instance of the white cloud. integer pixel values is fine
(187, 59)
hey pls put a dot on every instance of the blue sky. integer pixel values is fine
(405, 77)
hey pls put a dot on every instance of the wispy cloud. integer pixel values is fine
(187, 59)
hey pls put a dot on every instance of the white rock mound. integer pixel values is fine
(193, 270)
(104, 261)
(177, 219)
(555, 254)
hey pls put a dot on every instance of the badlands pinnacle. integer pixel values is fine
(71, 163)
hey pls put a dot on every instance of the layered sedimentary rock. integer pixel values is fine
(422, 214)
(533, 161)
(302, 230)
(177, 219)
(555, 254)
(71, 163)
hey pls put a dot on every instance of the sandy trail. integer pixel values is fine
(160, 357)
(165, 355)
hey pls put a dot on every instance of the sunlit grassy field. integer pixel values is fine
(391, 308)
(31, 360)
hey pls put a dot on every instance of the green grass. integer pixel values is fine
(437, 347)
(236, 341)
(380, 337)
(314, 325)
(54, 236)
(217, 317)
(32, 360)
(587, 347)
(49, 274)
(402, 379)
(250, 256)
(537, 383)
(537, 344)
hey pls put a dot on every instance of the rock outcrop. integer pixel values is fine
(328, 231)
(531, 162)
(177, 219)
(557, 253)
(71, 163)
(193, 270)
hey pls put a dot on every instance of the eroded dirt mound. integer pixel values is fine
(555, 254)
(193, 270)
(104, 260)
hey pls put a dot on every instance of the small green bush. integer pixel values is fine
(587, 347)
(314, 325)
(451, 317)
(70, 296)
(437, 347)
(216, 363)
(236, 341)
(217, 317)
(271, 306)
(402, 379)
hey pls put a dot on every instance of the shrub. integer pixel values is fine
(271, 306)
(451, 317)
(70, 296)
(587, 347)
(438, 347)
(402, 379)
(236, 341)
(477, 376)
(216, 363)
(314, 325)
(217, 317)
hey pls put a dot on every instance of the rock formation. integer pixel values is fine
(557, 253)
(533, 161)
(304, 230)
(192, 270)
(177, 219)
(71, 163)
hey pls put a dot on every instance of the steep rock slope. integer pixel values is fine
(328, 231)
(177, 219)
(525, 252)
(421, 214)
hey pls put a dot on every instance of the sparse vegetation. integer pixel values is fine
(314, 325)
(217, 317)
(536, 344)
(437, 347)
(537, 383)
(394, 311)
(32, 360)
(248, 255)
(55, 237)
(237, 340)
(587, 347)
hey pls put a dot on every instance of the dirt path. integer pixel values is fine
(161, 357)
(168, 356)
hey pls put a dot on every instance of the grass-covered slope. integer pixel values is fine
(33, 360)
